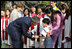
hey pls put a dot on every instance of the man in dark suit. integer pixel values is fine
(20, 27)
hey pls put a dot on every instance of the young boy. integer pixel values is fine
(45, 34)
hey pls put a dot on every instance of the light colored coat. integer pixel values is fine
(67, 30)
(14, 15)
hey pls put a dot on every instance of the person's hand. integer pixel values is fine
(48, 32)
(36, 36)
(63, 27)
(41, 44)
(29, 32)
(40, 35)
(4, 30)
(22, 38)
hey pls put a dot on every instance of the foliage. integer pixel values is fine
(3, 3)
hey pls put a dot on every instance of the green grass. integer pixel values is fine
(4, 45)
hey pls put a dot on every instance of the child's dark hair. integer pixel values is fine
(14, 4)
(8, 10)
(62, 7)
(34, 7)
(50, 10)
(28, 11)
(46, 20)
(42, 6)
(54, 1)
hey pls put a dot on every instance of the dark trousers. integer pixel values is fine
(16, 38)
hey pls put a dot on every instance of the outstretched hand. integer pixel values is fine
(22, 38)
(36, 36)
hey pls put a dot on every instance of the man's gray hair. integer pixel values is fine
(35, 19)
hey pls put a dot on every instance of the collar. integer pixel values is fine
(34, 12)
(26, 15)
(47, 26)
(64, 14)
(55, 7)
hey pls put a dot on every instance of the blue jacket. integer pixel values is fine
(21, 24)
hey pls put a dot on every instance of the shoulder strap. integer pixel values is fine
(44, 30)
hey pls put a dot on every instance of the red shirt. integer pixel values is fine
(6, 21)
(33, 14)
(41, 15)
(2, 21)
(4, 24)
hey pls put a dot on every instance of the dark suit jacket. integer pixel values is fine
(21, 24)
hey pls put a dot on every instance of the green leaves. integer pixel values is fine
(45, 2)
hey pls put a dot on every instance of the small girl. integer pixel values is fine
(45, 34)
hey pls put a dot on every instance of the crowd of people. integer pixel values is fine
(50, 25)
